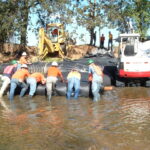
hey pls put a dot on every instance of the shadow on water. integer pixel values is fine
(120, 121)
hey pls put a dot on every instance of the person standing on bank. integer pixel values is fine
(18, 80)
(7, 74)
(97, 79)
(73, 79)
(102, 39)
(33, 80)
(94, 38)
(110, 41)
(52, 76)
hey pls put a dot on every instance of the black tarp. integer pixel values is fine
(108, 64)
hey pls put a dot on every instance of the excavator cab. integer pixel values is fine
(51, 40)
(56, 33)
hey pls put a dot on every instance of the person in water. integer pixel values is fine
(73, 79)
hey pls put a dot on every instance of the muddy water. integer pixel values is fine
(120, 121)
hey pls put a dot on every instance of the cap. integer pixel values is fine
(24, 66)
(54, 63)
(90, 61)
(24, 54)
(14, 62)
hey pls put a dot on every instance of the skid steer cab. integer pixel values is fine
(52, 41)
(134, 63)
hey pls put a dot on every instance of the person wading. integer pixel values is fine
(73, 79)
(52, 76)
(96, 77)
(33, 80)
(7, 74)
(18, 80)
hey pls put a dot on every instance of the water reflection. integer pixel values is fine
(120, 121)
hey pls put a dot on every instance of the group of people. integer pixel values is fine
(17, 75)
(110, 41)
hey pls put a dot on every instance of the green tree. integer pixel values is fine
(89, 14)
(119, 12)
(7, 20)
(141, 15)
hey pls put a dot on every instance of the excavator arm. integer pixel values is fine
(46, 46)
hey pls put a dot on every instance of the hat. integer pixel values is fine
(24, 54)
(54, 63)
(90, 61)
(13, 62)
(24, 66)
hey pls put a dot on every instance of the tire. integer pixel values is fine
(148, 83)
(120, 83)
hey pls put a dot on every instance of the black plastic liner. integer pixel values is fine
(109, 70)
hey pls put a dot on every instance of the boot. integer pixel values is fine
(49, 97)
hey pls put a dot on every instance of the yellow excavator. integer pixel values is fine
(52, 41)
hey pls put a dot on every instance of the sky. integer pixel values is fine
(33, 39)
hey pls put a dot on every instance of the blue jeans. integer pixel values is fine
(13, 85)
(32, 85)
(73, 83)
(96, 85)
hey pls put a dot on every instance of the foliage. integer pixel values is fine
(89, 14)
(7, 20)
(141, 15)
(16, 16)
(119, 13)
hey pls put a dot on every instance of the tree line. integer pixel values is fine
(16, 16)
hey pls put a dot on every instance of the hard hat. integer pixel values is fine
(90, 61)
(13, 62)
(54, 63)
(24, 66)
(24, 54)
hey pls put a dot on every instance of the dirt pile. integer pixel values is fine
(9, 51)
(79, 51)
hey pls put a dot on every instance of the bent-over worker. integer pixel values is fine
(52, 76)
(73, 79)
(18, 80)
(7, 74)
(33, 80)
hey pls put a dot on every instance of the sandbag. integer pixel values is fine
(41, 90)
(84, 89)
(61, 89)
